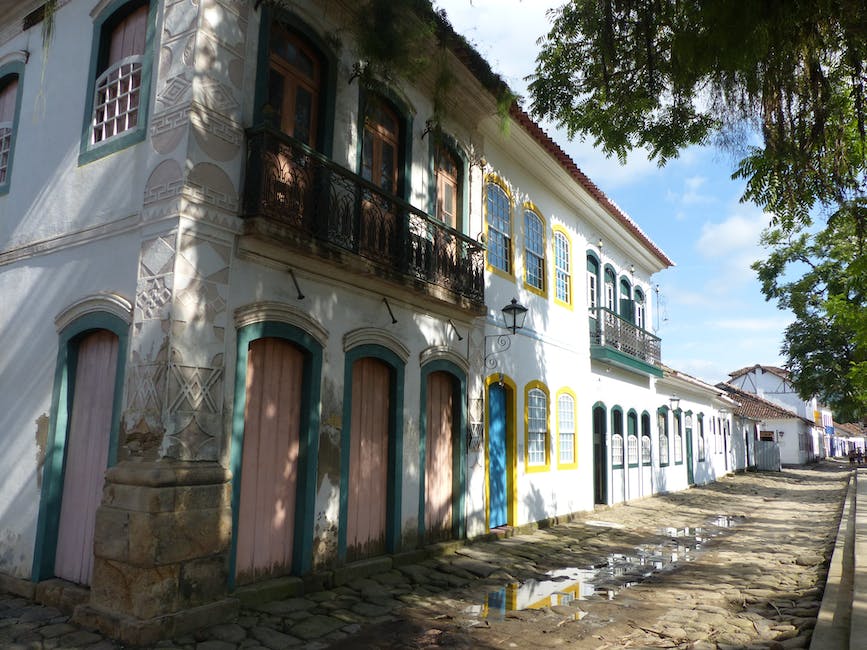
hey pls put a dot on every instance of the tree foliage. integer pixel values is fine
(781, 84)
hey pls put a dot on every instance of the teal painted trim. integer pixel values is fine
(663, 410)
(89, 151)
(622, 360)
(308, 447)
(395, 445)
(404, 116)
(63, 392)
(327, 61)
(459, 448)
(451, 144)
(16, 68)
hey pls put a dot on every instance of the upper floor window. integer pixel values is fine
(121, 62)
(592, 284)
(626, 310)
(534, 250)
(566, 428)
(499, 223)
(562, 269)
(380, 145)
(448, 188)
(294, 84)
(639, 309)
(117, 90)
(610, 291)
(537, 427)
(8, 112)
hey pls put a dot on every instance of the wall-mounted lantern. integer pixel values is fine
(674, 402)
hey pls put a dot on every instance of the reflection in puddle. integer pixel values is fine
(605, 579)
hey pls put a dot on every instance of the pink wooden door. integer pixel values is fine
(269, 466)
(368, 459)
(86, 455)
(439, 461)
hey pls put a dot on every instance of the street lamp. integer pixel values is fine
(514, 315)
(674, 401)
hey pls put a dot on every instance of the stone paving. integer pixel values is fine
(739, 563)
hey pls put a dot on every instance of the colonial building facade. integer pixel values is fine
(253, 289)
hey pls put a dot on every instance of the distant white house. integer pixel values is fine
(773, 384)
(793, 433)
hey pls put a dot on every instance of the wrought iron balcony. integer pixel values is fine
(321, 203)
(607, 329)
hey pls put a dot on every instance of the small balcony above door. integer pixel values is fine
(618, 341)
(298, 201)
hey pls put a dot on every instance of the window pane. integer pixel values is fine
(561, 264)
(537, 426)
(499, 228)
(632, 449)
(566, 424)
(645, 450)
(303, 115)
(535, 250)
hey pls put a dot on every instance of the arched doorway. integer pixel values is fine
(600, 456)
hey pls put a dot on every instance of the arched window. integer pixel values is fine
(662, 428)
(592, 284)
(701, 443)
(610, 291)
(626, 310)
(566, 429)
(448, 187)
(646, 445)
(534, 250)
(678, 437)
(617, 438)
(562, 269)
(499, 227)
(632, 439)
(8, 114)
(640, 316)
(294, 84)
(537, 428)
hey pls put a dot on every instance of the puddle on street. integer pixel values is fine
(605, 579)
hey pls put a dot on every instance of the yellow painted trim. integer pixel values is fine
(511, 452)
(543, 292)
(497, 180)
(570, 393)
(571, 304)
(530, 469)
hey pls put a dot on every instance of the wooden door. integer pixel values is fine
(600, 457)
(497, 467)
(87, 446)
(439, 456)
(269, 464)
(367, 506)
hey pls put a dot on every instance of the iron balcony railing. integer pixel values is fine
(609, 329)
(295, 186)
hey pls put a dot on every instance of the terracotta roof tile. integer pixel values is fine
(753, 406)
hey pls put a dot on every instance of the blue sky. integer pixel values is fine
(712, 316)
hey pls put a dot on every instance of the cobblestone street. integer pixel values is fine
(735, 564)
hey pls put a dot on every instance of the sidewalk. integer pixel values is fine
(740, 563)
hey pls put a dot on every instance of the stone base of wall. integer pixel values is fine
(161, 547)
(146, 632)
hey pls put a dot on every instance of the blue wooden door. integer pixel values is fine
(497, 455)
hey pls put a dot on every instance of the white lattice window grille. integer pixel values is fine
(645, 450)
(566, 424)
(537, 428)
(591, 292)
(632, 449)
(5, 149)
(116, 99)
(617, 450)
